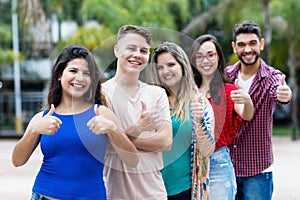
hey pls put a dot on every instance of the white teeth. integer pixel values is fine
(135, 63)
(206, 67)
(169, 77)
(77, 85)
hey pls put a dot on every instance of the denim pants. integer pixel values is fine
(221, 176)
(38, 196)
(259, 187)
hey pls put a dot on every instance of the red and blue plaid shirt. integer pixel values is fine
(251, 151)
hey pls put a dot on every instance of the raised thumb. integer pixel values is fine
(52, 110)
(282, 80)
(236, 83)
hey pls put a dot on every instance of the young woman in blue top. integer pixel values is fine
(185, 166)
(73, 132)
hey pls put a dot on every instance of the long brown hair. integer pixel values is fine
(69, 53)
(219, 78)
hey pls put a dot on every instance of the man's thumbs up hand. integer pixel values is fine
(236, 83)
(239, 96)
(284, 93)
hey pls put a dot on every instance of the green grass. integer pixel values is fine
(283, 130)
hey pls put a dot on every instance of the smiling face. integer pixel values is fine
(75, 79)
(206, 59)
(132, 52)
(169, 71)
(247, 47)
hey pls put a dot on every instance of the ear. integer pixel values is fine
(116, 51)
(262, 44)
(233, 46)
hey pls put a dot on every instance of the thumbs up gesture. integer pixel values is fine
(48, 124)
(197, 109)
(284, 93)
(100, 124)
(239, 96)
(148, 120)
(236, 83)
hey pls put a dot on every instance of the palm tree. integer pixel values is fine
(37, 24)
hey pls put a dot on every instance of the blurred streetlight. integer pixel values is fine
(17, 82)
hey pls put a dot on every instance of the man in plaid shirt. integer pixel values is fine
(251, 151)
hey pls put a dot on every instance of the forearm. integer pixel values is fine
(160, 141)
(124, 147)
(205, 136)
(24, 148)
(153, 144)
(206, 145)
(133, 131)
(248, 111)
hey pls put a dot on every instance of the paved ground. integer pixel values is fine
(16, 183)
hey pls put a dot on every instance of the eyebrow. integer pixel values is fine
(77, 68)
(248, 41)
(133, 45)
(210, 51)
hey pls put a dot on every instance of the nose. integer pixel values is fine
(165, 70)
(79, 76)
(137, 53)
(205, 59)
(247, 48)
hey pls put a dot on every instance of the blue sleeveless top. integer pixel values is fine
(73, 160)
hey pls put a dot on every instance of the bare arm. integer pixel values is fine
(27, 144)
(244, 110)
(105, 122)
(161, 140)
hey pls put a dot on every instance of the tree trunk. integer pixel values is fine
(267, 29)
(293, 83)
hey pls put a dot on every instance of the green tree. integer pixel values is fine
(148, 13)
(286, 26)
(6, 54)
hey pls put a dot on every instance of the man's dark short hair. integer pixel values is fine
(247, 26)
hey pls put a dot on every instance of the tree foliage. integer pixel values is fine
(148, 13)
(217, 17)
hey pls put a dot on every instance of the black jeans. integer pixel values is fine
(185, 195)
